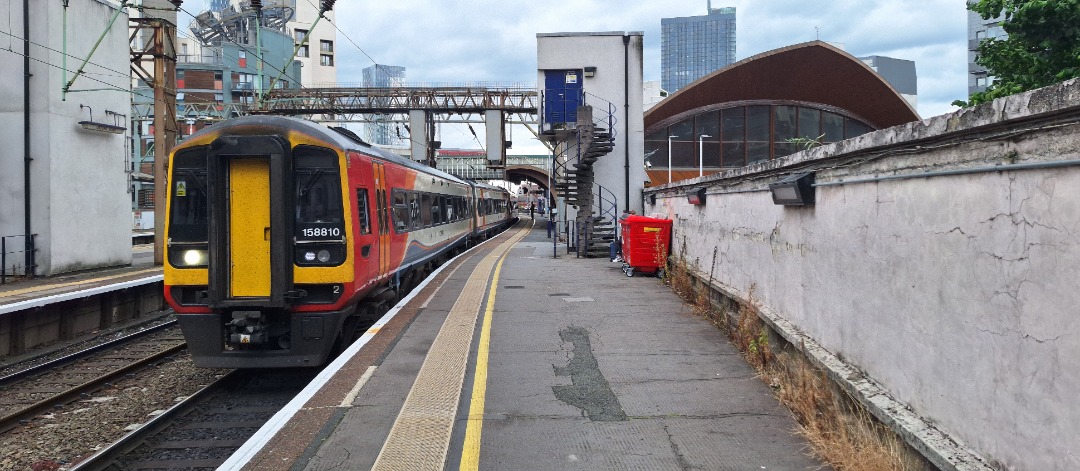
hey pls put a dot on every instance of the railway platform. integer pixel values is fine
(41, 314)
(508, 358)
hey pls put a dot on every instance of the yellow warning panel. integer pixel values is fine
(249, 227)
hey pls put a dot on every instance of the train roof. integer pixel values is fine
(344, 139)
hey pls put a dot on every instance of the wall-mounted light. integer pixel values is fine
(590, 71)
(796, 189)
(652, 199)
(696, 196)
(91, 125)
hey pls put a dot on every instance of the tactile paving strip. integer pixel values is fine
(420, 436)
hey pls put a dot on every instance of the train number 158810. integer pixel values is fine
(321, 232)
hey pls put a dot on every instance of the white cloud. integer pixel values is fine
(495, 40)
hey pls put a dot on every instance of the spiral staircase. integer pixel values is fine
(593, 137)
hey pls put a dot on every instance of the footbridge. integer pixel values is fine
(473, 165)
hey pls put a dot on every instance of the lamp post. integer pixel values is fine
(669, 138)
(701, 154)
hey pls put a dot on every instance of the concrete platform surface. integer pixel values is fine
(581, 368)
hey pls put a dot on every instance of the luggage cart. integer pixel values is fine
(646, 243)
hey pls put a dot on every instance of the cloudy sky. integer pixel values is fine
(495, 40)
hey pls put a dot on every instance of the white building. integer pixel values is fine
(652, 94)
(75, 143)
(317, 57)
(607, 68)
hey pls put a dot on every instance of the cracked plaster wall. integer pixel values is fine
(959, 293)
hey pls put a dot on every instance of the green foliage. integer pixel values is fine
(805, 142)
(1042, 46)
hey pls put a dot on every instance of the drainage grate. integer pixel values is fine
(559, 294)
(513, 287)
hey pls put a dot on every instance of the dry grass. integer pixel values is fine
(840, 431)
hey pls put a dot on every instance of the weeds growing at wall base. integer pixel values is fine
(840, 431)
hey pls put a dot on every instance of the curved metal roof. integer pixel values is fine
(814, 72)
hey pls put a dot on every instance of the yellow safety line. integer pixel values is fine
(72, 283)
(470, 452)
(420, 436)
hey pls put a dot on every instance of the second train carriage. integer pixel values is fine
(278, 228)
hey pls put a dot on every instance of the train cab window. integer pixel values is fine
(401, 211)
(319, 237)
(188, 236)
(318, 188)
(364, 220)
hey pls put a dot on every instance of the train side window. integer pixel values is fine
(436, 210)
(446, 203)
(415, 222)
(362, 210)
(401, 211)
(425, 208)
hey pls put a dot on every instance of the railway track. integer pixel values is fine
(205, 429)
(42, 388)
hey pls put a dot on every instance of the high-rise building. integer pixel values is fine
(694, 46)
(978, 30)
(380, 129)
(379, 75)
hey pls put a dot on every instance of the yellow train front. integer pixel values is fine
(278, 228)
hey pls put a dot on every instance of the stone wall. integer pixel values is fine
(938, 265)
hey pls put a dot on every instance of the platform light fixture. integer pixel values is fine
(796, 189)
(696, 196)
(590, 71)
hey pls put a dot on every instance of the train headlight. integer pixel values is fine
(194, 257)
(320, 254)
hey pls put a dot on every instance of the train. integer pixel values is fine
(283, 235)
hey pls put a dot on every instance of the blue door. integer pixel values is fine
(562, 95)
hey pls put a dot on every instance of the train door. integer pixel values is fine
(382, 213)
(250, 254)
(249, 227)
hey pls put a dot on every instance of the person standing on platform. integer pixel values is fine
(532, 210)
(615, 248)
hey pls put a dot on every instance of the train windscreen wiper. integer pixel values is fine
(310, 182)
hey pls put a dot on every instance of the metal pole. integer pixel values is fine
(26, 130)
(669, 138)
(259, 57)
(626, 122)
(67, 85)
(165, 126)
(701, 154)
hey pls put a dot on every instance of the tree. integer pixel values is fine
(1042, 46)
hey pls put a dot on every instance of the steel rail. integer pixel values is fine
(108, 455)
(11, 420)
(5, 380)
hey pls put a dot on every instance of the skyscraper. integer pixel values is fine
(380, 130)
(694, 46)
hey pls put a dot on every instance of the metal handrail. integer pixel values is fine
(29, 268)
(607, 206)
